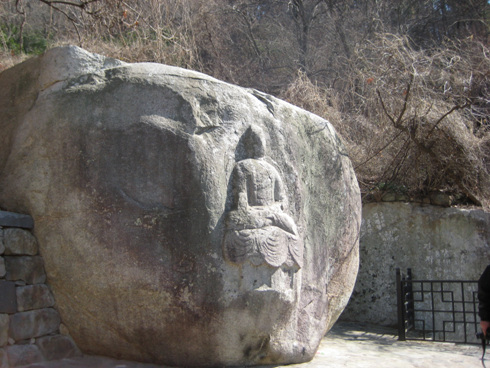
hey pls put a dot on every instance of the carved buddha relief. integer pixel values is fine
(258, 229)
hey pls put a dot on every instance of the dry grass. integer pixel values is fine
(8, 60)
(415, 121)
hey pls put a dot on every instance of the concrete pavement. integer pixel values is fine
(351, 345)
(346, 345)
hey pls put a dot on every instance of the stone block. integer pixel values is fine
(19, 242)
(11, 219)
(4, 329)
(8, 297)
(19, 355)
(57, 347)
(3, 271)
(64, 330)
(2, 246)
(25, 268)
(3, 359)
(39, 322)
(440, 199)
(400, 197)
(389, 197)
(33, 297)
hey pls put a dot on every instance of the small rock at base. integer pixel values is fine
(3, 359)
(23, 354)
(64, 330)
(57, 347)
(39, 322)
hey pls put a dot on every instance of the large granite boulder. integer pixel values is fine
(182, 220)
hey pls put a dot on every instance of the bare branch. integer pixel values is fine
(379, 151)
(385, 110)
(453, 109)
(80, 4)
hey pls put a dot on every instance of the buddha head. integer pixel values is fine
(254, 142)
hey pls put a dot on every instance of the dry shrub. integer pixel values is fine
(415, 121)
(431, 104)
(8, 60)
(130, 30)
(155, 31)
(326, 102)
(304, 93)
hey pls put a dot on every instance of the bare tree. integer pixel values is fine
(405, 82)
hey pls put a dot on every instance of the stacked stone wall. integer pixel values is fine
(29, 322)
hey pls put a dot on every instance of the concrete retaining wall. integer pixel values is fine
(436, 242)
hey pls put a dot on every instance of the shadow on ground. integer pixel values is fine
(346, 345)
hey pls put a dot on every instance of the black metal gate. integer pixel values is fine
(437, 310)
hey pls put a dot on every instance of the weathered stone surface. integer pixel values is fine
(57, 347)
(3, 270)
(19, 242)
(8, 298)
(128, 172)
(29, 269)
(4, 329)
(19, 355)
(39, 322)
(4, 363)
(33, 297)
(64, 330)
(389, 197)
(440, 199)
(2, 246)
(437, 243)
(11, 219)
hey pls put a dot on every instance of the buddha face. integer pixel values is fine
(254, 142)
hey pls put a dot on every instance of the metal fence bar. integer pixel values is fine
(464, 314)
(436, 310)
(400, 306)
(410, 317)
(433, 315)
